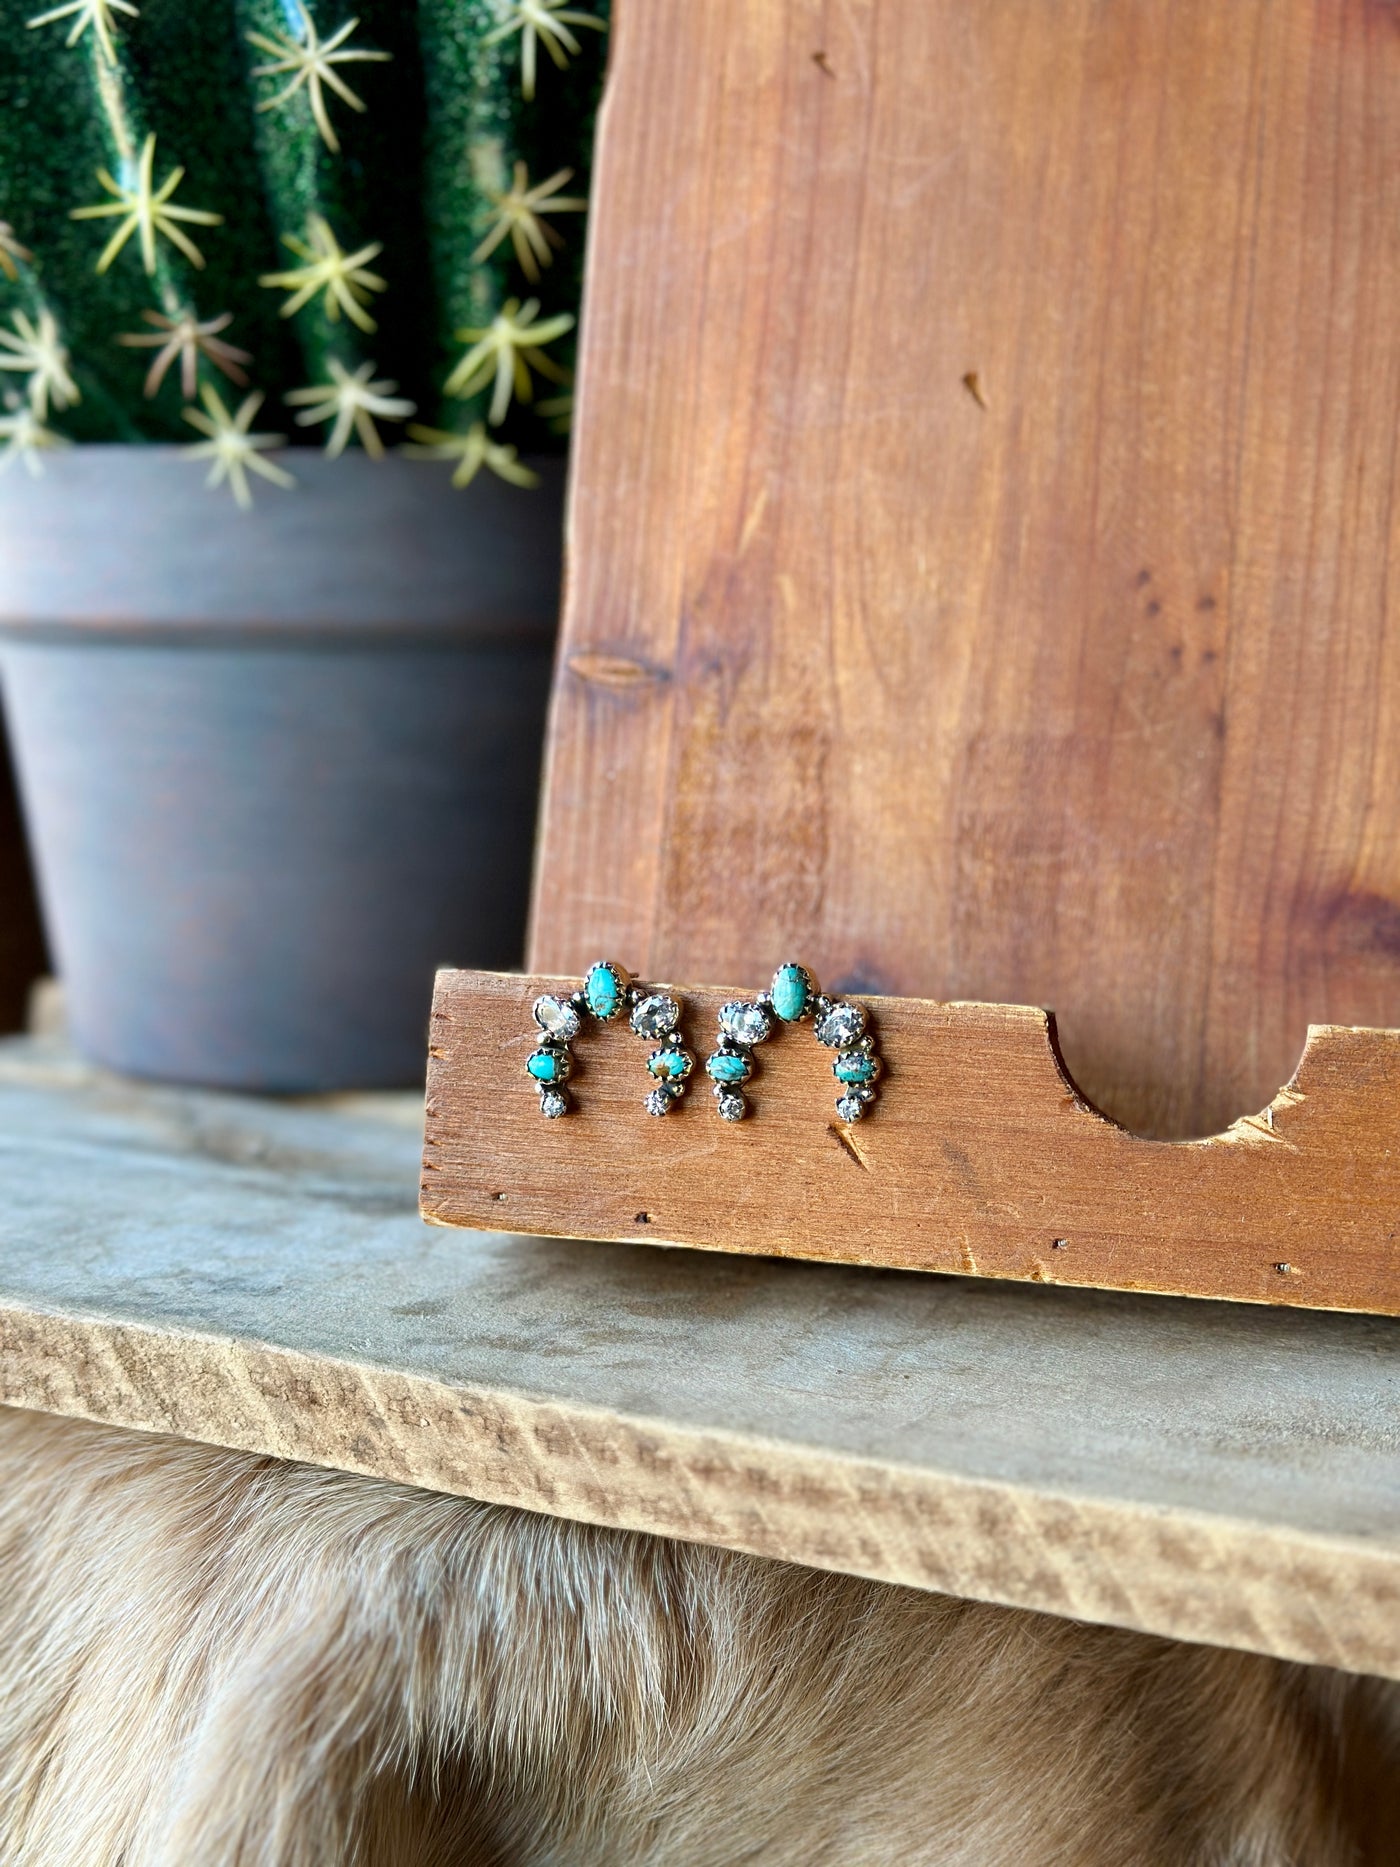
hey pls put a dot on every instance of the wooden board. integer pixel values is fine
(979, 1157)
(984, 539)
(253, 1274)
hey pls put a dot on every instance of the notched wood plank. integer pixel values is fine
(980, 1158)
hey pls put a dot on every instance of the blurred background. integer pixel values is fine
(23, 958)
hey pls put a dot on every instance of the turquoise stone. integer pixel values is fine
(791, 992)
(671, 1065)
(854, 1066)
(726, 1068)
(548, 1066)
(603, 990)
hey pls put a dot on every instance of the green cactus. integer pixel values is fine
(358, 190)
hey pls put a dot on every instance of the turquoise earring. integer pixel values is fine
(793, 997)
(608, 992)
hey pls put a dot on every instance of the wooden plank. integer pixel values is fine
(979, 1157)
(253, 1274)
(1077, 687)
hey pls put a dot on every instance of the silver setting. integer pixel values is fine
(671, 1050)
(731, 1103)
(812, 999)
(553, 1104)
(865, 1048)
(560, 1056)
(661, 1102)
(623, 980)
(854, 1100)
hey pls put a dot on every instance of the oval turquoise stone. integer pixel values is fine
(725, 1068)
(791, 990)
(548, 1066)
(856, 1067)
(602, 990)
(669, 1065)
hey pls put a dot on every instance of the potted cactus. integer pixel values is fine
(288, 299)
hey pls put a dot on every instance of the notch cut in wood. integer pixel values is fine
(980, 1158)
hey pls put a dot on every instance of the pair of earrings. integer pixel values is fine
(608, 992)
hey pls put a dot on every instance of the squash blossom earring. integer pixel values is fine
(606, 993)
(744, 1024)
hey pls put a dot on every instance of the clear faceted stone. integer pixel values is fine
(659, 1102)
(850, 1108)
(746, 1023)
(731, 1105)
(841, 1026)
(656, 1015)
(557, 1017)
(553, 1103)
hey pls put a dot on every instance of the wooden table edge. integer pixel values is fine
(1177, 1572)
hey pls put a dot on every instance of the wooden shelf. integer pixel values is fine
(255, 1275)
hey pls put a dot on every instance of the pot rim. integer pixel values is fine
(122, 541)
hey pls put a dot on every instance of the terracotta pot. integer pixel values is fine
(277, 766)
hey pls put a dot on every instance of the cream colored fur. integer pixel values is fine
(214, 1660)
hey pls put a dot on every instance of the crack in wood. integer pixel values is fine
(844, 1140)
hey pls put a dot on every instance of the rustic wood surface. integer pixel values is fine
(978, 1157)
(253, 1274)
(984, 532)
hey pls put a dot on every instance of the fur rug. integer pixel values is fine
(214, 1660)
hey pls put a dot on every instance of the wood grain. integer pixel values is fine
(984, 530)
(252, 1273)
(980, 1157)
